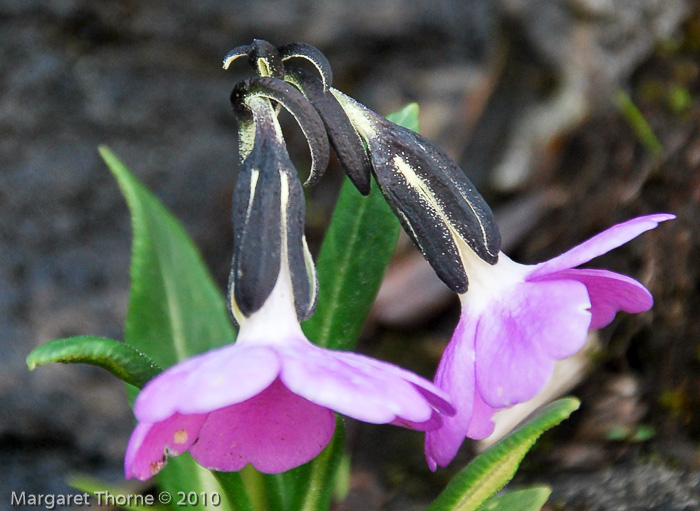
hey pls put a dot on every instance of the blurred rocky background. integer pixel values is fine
(569, 115)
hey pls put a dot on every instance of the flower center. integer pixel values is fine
(488, 283)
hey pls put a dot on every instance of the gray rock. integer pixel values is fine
(646, 487)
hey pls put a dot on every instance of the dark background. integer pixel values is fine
(524, 94)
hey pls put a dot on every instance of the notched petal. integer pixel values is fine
(311, 54)
(294, 101)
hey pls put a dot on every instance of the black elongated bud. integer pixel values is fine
(430, 194)
(303, 112)
(301, 265)
(256, 228)
(268, 223)
(343, 136)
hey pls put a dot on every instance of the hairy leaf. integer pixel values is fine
(354, 256)
(175, 308)
(122, 360)
(529, 499)
(493, 468)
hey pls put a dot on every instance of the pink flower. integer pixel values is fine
(517, 320)
(269, 398)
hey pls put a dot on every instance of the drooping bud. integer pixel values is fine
(430, 194)
(346, 141)
(268, 212)
(311, 54)
(303, 112)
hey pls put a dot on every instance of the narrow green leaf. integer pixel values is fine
(123, 361)
(105, 495)
(406, 117)
(639, 124)
(320, 475)
(354, 256)
(529, 499)
(175, 308)
(356, 251)
(493, 468)
(235, 491)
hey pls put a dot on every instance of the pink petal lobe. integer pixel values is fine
(599, 244)
(354, 385)
(274, 431)
(609, 293)
(455, 375)
(209, 381)
(433, 423)
(482, 424)
(151, 444)
(521, 335)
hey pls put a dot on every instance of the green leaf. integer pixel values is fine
(493, 468)
(529, 499)
(235, 491)
(319, 475)
(406, 117)
(103, 492)
(355, 254)
(639, 124)
(175, 308)
(123, 361)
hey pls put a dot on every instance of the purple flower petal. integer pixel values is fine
(274, 431)
(438, 399)
(209, 381)
(433, 423)
(353, 385)
(600, 244)
(455, 375)
(151, 444)
(481, 424)
(520, 336)
(609, 293)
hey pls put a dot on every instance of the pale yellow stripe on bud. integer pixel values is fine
(418, 184)
(362, 122)
(237, 313)
(429, 197)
